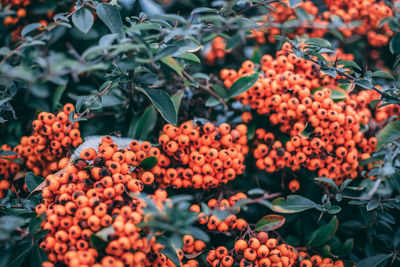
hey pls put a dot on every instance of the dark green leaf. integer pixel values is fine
(29, 28)
(364, 84)
(177, 99)
(167, 51)
(83, 19)
(374, 261)
(382, 74)
(294, 3)
(145, 124)
(32, 181)
(169, 250)
(324, 233)
(109, 14)
(242, 85)
(37, 256)
(388, 134)
(293, 204)
(270, 222)
(19, 253)
(57, 96)
(148, 163)
(173, 64)
(322, 43)
(327, 181)
(347, 63)
(373, 204)
(394, 44)
(163, 102)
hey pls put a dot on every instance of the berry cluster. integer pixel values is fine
(8, 169)
(201, 156)
(52, 138)
(369, 12)
(217, 50)
(89, 195)
(260, 250)
(318, 261)
(216, 224)
(325, 135)
(190, 247)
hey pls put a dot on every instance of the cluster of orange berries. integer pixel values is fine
(231, 222)
(325, 135)
(217, 50)
(201, 156)
(190, 247)
(369, 12)
(318, 261)
(45, 151)
(8, 169)
(89, 195)
(52, 139)
(260, 250)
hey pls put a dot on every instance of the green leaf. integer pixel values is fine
(364, 84)
(148, 163)
(189, 56)
(32, 181)
(374, 261)
(109, 14)
(322, 43)
(373, 204)
(233, 42)
(7, 153)
(57, 96)
(269, 223)
(37, 256)
(169, 250)
(394, 44)
(145, 124)
(242, 85)
(83, 19)
(324, 233)
(334, 209)
(328, 181)
(163, 103)
(394, 181)
(177, 99)
(19, 253)
(382, 74)
(173, 64)
(167, 51)
(294, 3)
(338, 94)
(97, 243)
(293, 204)
(389, 133)
(30, 28)
(347, 63)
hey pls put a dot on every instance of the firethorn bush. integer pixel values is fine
(199, 133)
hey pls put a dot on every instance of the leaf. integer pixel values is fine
(293, 204)
(347, 63)
(394, 44)
(322, 43)
(389, 133)
(97, 243)
(364, 84)
(37, 256)
(32, 181)
(169, 250)
(7, 153)
(294, 3)
(167, 51)
(19, 253)
(374, 261)
(203, 10)
(109, 14)
(270, 222)
(57, 96)
(145, 124)
(173, 64)
(83, 19)
(373, 204)
(242, 85)
(382, 74)
(334, 209)
(163, 102)
(324, 233)
(233, 42)
(30, 28)
(148, 163)
(177, 99)
(189, 56)
(394, 181)
(327, 181)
